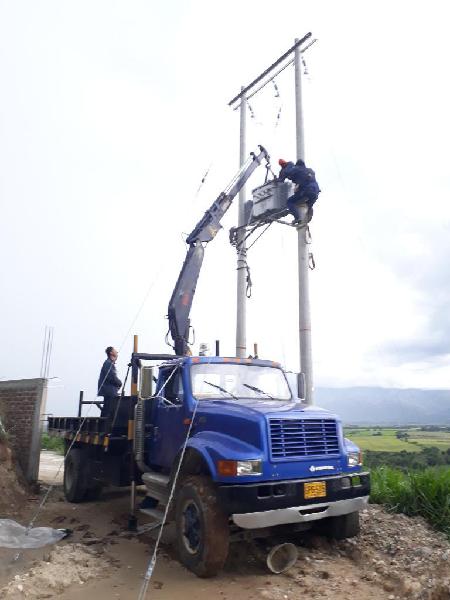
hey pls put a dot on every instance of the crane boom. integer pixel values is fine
(206, 230)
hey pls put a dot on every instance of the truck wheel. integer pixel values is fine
(342, 527)
(94, 491)
(202, 533)
(75, 484)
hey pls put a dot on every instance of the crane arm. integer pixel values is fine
(206, 230)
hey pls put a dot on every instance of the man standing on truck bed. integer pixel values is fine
(108, 382)
(306, 189)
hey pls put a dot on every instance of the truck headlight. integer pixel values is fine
(354, 459)
(236, 468)
(249, 467)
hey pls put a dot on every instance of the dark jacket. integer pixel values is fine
(108, 382)
(298, 174)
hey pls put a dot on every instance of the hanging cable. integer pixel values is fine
(262, 232)
(308, 236)
(248, 290)
(305, 67)
(277, 95)
(277, 91)
(252, 114)
(203, 180)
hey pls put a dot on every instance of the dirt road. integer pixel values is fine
(394, 557)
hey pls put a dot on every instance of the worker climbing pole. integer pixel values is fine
(306, 189)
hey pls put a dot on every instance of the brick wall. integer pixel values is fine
(22, 403)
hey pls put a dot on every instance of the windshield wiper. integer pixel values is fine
(219, 387)
(256, 389)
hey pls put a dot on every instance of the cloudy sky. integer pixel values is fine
(111, 112)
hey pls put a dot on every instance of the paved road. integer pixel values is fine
(49, 465)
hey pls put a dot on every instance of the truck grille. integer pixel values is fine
(290, 438)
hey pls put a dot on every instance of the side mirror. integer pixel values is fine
(301, 385)
(146, 383)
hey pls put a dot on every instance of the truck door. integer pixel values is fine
(169, 413)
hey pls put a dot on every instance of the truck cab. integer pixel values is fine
(229, 435)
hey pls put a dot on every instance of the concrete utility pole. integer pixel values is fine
(241, 290)
(304, 312)
(305, 326)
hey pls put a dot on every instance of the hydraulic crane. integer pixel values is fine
(206, 230)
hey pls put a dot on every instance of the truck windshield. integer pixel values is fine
(234, 381)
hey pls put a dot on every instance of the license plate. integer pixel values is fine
(315, 489)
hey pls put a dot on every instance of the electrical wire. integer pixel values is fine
(152, 563)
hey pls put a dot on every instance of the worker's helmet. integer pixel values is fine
(282, 162)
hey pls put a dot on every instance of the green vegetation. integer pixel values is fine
(55, 444)
(425, 493)
(397, 439)
(410, 469)
(427, 457)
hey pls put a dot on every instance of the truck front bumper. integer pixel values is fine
(298, 514)
(288, 501)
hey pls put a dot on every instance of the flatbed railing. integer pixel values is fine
(82, 402)
(82, 424)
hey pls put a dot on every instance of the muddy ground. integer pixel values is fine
(393, 558)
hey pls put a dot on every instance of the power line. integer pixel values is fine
(47, 347)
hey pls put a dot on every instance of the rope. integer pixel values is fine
(152, 563)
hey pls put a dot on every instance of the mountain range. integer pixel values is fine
(386, 406)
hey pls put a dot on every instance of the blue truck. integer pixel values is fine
(223, 446)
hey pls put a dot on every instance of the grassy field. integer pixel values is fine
(367, 439)
(425, 493)
(410, 470)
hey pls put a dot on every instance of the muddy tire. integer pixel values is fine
(75, 476)
(202, 533)
(342, 527)
(94, 491)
